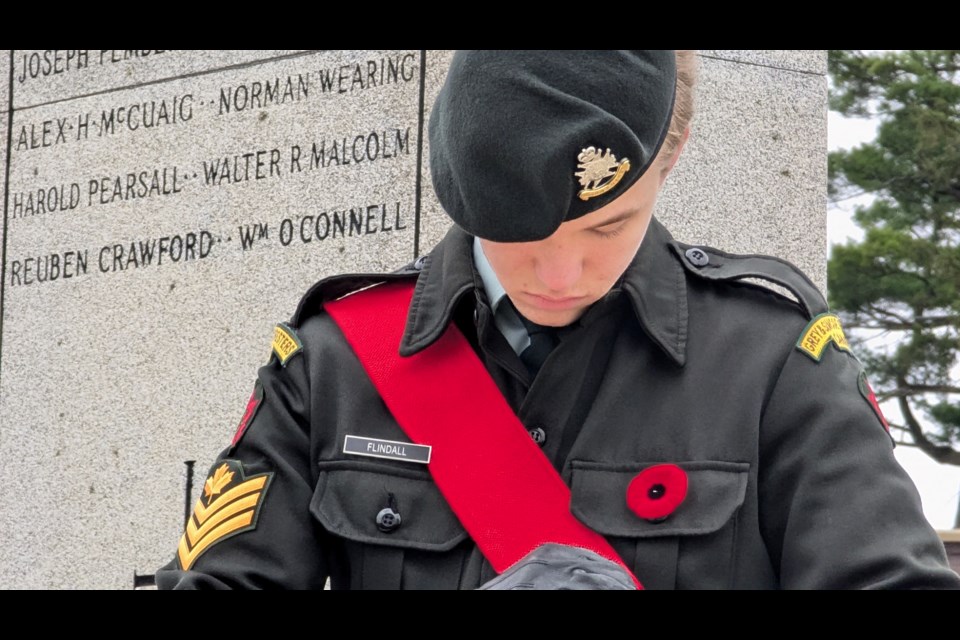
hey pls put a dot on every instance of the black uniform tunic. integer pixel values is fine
(792, 478)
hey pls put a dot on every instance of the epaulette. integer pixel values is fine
(823, 329)
(336, 286)
(713, 264)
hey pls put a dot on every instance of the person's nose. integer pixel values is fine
(559, 267)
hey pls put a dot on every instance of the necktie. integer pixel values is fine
(543, 339)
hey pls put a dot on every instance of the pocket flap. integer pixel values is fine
(350, 494)
(599, 498)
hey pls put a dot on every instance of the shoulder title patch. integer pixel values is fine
(286, 343)
(820, 332)
(230, 505)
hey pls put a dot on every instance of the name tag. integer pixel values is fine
(390, 449)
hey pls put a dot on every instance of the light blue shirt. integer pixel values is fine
(504, 316)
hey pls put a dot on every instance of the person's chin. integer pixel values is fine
(553, 317)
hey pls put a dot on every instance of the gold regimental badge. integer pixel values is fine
(599, 172)
(230, 505)
(821, 331)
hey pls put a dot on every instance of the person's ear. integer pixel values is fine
(665, 171)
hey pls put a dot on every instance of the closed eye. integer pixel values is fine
(610, 234)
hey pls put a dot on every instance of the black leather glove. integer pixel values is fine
(561, 567)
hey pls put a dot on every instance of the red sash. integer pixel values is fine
(483, 460)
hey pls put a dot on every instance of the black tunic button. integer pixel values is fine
(388, 520)
(697, 257)
(539, 435)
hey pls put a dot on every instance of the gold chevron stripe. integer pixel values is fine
(188, 556)
(201, 513)
(195, 534)
(233, 511)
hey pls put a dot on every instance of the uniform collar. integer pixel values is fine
(491, 283)
(654, 282)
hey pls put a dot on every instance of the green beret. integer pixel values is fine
(522, 141)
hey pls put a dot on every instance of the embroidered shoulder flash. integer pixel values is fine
(286, 343)
(713, 264)
(336, 286)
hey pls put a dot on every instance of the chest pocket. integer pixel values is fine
(692, 548)
(393, 520)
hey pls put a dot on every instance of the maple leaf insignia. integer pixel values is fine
(215, 483)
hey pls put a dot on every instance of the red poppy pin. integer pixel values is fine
(657, 491)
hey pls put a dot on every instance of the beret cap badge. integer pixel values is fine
(599, 172)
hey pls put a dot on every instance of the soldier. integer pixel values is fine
(679, 427)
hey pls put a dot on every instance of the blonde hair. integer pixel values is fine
(683, 110)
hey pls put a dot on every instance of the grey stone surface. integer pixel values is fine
(53, 75)
(110, 380)
(752, 176)
(808, 60)
(4, 116)
(4, 82)
(3, 170)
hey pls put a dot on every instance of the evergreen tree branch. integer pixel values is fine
(942, 454)
(915, 389)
